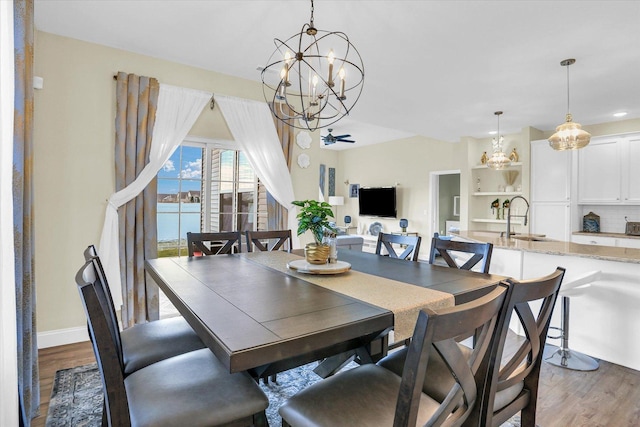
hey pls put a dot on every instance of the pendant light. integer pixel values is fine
(569, 135)
(314, 78)
(498, 159)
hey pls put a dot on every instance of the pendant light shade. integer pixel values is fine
(498, 160)
(569, 135)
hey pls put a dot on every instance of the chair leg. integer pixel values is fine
(528, 415)
(564, 357)
(260, 419)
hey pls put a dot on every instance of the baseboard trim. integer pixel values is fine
(62, 337)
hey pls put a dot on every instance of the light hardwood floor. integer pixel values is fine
(608, 397)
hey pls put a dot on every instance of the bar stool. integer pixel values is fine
(563, 356)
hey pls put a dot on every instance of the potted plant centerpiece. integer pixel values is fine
(314, 216)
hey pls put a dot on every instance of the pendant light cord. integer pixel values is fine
(568, 109)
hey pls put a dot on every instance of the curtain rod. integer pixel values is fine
(211, 105)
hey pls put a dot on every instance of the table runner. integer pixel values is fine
(403, 299)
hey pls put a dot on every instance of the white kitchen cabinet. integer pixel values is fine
(553, 220)
(609, 171)
(594, 240)
(550, 212)
(600, 172)
(550, 173)
(628, 243)
(631, 170)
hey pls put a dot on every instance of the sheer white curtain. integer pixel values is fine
(9, 412)
(251, 124)
(178, 109)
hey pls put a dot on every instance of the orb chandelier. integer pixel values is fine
(314, 78)
(498, 159)
(569, 135)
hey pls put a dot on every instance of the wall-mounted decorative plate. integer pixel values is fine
(375, 228)
(303, 161)
(303, 139)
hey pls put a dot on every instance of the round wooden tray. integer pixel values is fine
(302, 266)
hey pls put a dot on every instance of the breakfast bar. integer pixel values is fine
(605, 318)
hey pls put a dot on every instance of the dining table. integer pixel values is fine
(259, 314)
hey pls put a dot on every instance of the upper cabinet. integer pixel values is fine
(608, 170)
(631, 170)
(550, 173)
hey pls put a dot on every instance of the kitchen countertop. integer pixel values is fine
(555, 247)
(602, 234)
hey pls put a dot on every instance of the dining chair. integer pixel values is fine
(456, 253)
(144, 343)
(224, 242)
(512, 376)
(513, 379)
(276, 240)
(191, 389)
(371, 395)
(410, 245)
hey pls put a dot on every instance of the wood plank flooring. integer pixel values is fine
(607, 397)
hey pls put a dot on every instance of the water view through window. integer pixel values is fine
(204, 189)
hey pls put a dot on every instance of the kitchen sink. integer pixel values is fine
(530, 238)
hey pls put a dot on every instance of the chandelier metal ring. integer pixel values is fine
(318, 75)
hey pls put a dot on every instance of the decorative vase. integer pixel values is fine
(316, 254)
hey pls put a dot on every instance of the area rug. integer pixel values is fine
(76, 397)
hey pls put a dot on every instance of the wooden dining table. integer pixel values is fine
(257, 315)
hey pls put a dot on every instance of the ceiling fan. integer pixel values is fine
(330, 139)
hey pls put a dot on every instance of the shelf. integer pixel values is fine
(498, 193)
(496, 221)
(487, 167)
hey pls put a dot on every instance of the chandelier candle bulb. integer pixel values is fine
(287, 61)
(331, 57)
(342, 80)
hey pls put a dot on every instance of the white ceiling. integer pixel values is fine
(433, 68)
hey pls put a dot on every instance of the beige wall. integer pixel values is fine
(74, 171)
(404, 163)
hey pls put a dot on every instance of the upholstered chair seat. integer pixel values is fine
(148, 343)
(192, 389)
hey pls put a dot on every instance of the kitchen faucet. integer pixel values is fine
(519, 216)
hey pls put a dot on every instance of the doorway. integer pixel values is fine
(445, 201)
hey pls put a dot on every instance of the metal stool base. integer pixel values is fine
(569, 359)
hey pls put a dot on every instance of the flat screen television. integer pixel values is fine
(377, 201)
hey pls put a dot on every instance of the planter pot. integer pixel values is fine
(316, 254)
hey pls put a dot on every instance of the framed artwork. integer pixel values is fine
(353, 190)
(332, 182)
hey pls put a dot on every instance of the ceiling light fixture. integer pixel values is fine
(569, 135)
(313, 68)
(498, 159)
(620, 114)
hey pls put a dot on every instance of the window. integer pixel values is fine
(204, 187)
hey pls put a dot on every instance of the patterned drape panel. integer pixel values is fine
(278, 216)
(137, 100)
(28, 384)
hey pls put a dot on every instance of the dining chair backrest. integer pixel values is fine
(224, 242)
(409, 245)
(450, 251)
(108, 356)
(520, 370)
(276, 240)
(103, 294)
(438, 332)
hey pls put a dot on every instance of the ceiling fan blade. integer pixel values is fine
(346, 140)
(346, 135)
